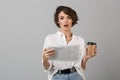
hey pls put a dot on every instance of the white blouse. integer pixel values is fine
(59, 39)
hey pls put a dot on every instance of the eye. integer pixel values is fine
(61, 17)
(69, 17)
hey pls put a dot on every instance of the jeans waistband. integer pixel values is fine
(67, 71)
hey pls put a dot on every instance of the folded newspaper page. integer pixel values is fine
(66, 53)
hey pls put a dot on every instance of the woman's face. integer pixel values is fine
(64, 21)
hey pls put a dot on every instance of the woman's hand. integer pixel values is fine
(91, 51)
(47, 53)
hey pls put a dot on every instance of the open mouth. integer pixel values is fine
(66, 25)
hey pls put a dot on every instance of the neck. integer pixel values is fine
(67, 33)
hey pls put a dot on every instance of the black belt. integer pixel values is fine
(67, 71)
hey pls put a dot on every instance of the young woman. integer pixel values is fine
(65, 18)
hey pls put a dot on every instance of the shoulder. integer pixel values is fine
(79, 38)
(81, 41)
(50, 36)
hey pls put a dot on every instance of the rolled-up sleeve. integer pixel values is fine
(49, 66)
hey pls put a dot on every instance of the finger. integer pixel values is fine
(50, 50)
(49, 55)
(44, 49)
(93, 55)
(95, 50)
(46, 56)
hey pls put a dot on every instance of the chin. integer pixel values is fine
(66, 29)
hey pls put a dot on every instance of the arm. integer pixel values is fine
(46, 54)
(88, 56)
(46, 63)
(84, 61)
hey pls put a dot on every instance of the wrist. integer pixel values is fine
(85, 59)
(45, 59)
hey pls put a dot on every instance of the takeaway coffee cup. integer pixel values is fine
(91, 46)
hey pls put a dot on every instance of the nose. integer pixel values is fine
(65, 20)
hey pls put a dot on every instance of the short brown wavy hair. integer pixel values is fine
(67, 10)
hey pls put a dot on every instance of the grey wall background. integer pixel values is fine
(23, 25)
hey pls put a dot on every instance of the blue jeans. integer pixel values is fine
(71, 76)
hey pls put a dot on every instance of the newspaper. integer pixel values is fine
(66, 53)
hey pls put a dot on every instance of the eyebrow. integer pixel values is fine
(61, 16)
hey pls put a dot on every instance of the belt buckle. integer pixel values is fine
(72, 69)
(59, 71)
